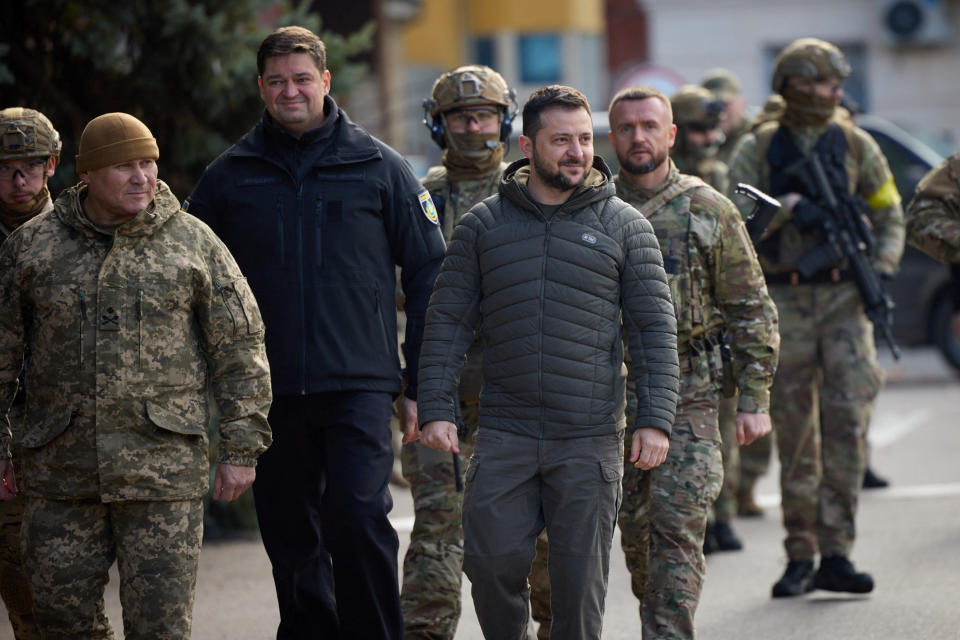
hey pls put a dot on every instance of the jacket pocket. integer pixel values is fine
(185, 423)
(43, 428)
(240, 306)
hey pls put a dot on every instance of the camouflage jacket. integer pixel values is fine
(933, 217)
(714, 276)
(710, 170)
(122, 334)
(868, 176)
(453, 199)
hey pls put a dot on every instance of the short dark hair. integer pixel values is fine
(554, 95)
(641, 92)
(287, 40)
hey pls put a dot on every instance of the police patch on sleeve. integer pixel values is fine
(426, 204)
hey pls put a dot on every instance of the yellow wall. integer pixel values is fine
(490, 16)
(436, 37)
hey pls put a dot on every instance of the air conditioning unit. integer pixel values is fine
(917, 22)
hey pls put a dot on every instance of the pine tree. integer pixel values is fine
(187, 68)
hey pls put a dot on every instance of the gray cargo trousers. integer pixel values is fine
(517, 485)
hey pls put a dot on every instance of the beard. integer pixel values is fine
(639, 169)
(558, 179)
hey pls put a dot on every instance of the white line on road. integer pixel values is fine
(920, 491)
(885, 429)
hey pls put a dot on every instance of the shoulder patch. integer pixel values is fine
(186, 205)
(427, 206)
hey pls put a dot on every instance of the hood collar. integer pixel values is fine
(69, 209)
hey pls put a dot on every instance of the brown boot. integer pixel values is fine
(746, 506)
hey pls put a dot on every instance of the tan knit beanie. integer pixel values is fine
(114, 138)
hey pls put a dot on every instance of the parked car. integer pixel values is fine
(921, 290)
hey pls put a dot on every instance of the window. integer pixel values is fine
(540, 58)
(483, 52)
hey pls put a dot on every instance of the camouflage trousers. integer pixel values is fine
(664, 512)
(14, 587)
(725, 507)
(820, 406)
(69, 546)
(433, 564)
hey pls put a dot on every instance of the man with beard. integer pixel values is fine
(551, 271)
(29, 152)
(470, 110)
(717, 288)
(828, 374)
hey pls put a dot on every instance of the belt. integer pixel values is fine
(795, 278)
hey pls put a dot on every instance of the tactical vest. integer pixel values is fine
(777, 149)
(686, 260)
(451, 203)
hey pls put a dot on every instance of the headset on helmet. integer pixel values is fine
(463, 87)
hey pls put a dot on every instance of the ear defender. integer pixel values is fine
(435, 125)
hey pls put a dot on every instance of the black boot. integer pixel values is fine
(836, 573)
(726, 539)
(873, 481)
(710, 539)
(796, 581)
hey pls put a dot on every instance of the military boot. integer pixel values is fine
(796, 581)
(710, 539)
(836, 573)
(872, 481)
(726, 538)
(747, 507)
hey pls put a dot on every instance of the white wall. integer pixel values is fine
(916, 87)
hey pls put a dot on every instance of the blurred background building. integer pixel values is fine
(904, 53)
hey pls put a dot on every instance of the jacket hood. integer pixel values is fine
(598, 185)
(348, 143)
(69, 209)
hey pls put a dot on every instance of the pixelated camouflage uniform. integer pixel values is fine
(717, 286)
(14, 586)
(124, 333)
(933, 217)
(828, 374)
(433, 564)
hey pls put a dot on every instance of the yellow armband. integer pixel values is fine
(886, 196)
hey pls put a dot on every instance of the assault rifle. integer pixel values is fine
(846, 236)
(763, 210)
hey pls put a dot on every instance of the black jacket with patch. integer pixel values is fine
(318, 225)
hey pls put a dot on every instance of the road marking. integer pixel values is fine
(886, 429)
(920, 491)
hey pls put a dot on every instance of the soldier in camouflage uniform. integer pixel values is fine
(699, 116)
(828, 374)
(468, 115)
(717, 287)
(933, 223)
(29, 152)
(725, 87)
(125, 308)
(933, 217)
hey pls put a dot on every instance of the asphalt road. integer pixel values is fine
(908, 537)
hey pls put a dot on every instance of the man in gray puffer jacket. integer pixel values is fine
(550, 272)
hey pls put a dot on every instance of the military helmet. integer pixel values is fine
(722, 83)
(810, 58)
(693, 104)
(469, 85)
(27, 133)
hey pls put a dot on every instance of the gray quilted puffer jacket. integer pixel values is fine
(547, 296)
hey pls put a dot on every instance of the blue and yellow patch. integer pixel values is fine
(429, 210)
